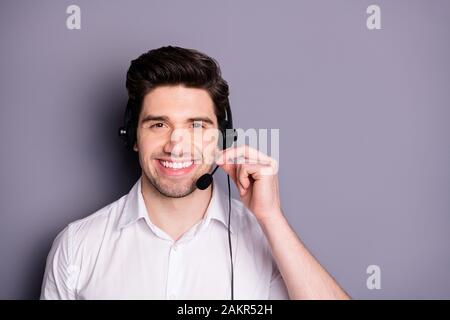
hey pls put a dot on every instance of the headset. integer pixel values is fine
(127, 134)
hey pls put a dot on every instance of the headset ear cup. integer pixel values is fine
(131, 137)
(230, 137)
(123, 135)
(221, 141)
(128, 132)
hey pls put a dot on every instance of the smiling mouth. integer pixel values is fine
(176, 165)
(175, 168)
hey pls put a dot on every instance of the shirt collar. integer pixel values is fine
(135, 209)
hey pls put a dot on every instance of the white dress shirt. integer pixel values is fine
(118, 253)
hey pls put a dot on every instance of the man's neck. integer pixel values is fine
(174, 216)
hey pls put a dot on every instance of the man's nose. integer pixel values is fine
(179, 143)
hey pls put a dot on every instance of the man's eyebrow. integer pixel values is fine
(150, 117)
(204, 119)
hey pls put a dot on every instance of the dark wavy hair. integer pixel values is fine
(173, 65)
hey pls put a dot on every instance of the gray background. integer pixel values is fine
(363, 117)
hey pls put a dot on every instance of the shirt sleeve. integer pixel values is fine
(58, 277)
(278, 290)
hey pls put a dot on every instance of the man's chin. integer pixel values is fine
(175, 189)
(175, 186)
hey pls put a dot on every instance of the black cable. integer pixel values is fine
(229, 238)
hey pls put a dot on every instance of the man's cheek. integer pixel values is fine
(210, 153)
(209, 145)
(147, 158)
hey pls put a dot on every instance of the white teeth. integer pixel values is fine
(176, 165)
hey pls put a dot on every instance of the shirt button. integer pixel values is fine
(172, 297)
(175, 247)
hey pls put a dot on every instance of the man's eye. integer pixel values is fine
(157, 125)
(197, 125)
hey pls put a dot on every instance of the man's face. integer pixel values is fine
(176, 138)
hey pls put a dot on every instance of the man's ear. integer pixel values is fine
(135, 148)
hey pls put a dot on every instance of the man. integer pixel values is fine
(166, 239)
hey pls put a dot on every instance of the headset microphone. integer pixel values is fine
(205, 180)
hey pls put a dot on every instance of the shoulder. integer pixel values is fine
(94, 226)
(90, 230)
(248, 226)
(244, 217)
(253, 243)
(100, 218)
(78, 239)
